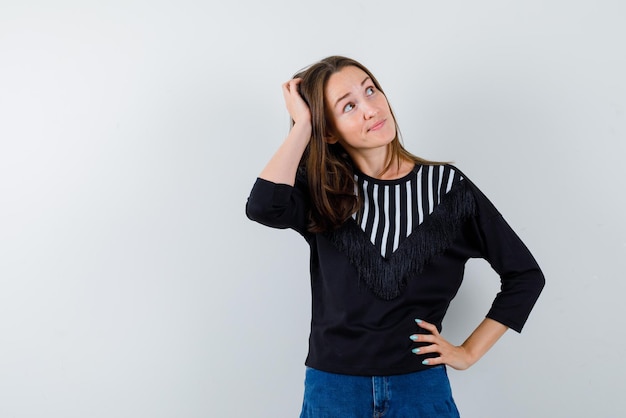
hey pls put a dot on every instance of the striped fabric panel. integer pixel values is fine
(392, 210)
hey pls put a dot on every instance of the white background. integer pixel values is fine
(131, 132)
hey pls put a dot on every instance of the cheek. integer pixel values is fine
(344, 125)
(384, 103)
(353, 128)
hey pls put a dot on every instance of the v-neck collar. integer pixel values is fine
(387, 276)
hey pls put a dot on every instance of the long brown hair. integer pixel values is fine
(329, 168)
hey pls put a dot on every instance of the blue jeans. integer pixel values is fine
(424, 394)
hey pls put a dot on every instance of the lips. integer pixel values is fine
(377, 125)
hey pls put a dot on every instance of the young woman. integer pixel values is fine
(389, 235)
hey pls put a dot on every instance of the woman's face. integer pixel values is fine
(360, 114)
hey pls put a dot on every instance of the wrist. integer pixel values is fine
(303, 124)
(302, 129)
(470, 357)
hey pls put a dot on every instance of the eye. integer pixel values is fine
(369, 91)
(348, 107)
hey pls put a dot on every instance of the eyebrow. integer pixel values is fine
(347, 94)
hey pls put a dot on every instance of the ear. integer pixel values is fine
(330, 139)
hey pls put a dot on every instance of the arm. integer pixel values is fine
(521, 284)
(283, 165)
(521, 279)
(463, 356)
(274, 201)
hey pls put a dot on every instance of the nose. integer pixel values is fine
(369, 111)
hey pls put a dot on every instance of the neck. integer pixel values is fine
(376, 167)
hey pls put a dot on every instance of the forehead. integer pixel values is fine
(344, 81)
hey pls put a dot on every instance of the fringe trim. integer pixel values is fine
(387, 277)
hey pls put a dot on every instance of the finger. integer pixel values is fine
(427, 349)
(287, 87)
(427, 326)
(434, 361)
(291, 95)
(292, 85)
(286, 92)
(423, 338)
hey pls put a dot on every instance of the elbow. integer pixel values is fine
(265, 215)
(540, 282)
(255, 212)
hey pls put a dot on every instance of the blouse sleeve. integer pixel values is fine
(521, 278)
(279, 205)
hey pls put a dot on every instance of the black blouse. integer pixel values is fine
(401, 257)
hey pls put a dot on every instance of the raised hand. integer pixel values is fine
(283, 165)
(296, 106)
